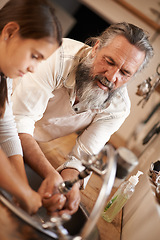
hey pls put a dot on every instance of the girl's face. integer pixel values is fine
(19, 56)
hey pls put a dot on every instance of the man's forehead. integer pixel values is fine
(123, 53)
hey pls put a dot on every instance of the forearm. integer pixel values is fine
(34, 156)
(10, 179)
(18, 164)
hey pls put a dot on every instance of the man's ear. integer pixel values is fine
(9, 30)
(95, 48)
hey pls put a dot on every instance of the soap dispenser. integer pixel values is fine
(119, 199)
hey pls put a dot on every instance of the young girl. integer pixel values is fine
(29, 33)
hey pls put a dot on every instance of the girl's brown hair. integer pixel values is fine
(3, 94)
(36, 19)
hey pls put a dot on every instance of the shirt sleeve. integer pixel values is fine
(98, 133)
(90, 142)
(9, 140)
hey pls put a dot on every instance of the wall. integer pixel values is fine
(65, 17)
(138, 114)
(70, 6)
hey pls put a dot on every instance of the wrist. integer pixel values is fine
(23, 192)
(71, 174)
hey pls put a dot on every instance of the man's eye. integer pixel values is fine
(110, 63)
(125, 74)
(106, 60)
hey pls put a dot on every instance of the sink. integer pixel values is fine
(81, 226)
(73, 226)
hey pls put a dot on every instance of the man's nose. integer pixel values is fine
(112, 75)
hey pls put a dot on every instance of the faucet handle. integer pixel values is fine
(56, 223)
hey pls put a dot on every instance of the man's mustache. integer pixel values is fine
(105, 82)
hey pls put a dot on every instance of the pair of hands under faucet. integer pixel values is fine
(55, 202)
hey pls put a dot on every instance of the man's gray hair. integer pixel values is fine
(135, 35)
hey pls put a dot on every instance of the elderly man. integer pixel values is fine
(80, 87)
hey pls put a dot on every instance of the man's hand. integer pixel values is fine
(51, 198)
(55, 202)
(73, 196)
(73, 200)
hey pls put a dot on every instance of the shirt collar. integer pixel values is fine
(69, 81)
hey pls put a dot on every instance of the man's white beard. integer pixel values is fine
(89, 95)
(92, 97)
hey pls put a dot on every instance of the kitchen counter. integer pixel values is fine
(13, 228)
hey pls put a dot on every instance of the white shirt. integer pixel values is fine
(43, 104)
(9, 140)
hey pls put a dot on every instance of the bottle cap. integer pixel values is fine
(134, 179)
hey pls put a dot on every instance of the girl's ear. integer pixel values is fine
(94, 49)
(9, 30)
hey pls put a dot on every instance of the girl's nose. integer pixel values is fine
(30, 69)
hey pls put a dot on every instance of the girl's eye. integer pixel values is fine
(34, 56)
